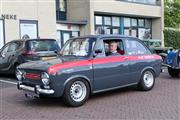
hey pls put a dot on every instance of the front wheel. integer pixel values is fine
(147, 80)
(173, 72)
(76, 92)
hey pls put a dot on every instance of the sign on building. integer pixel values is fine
(28, 29)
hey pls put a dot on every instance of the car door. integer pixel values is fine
(8, 54)
(109, 71)
(3, 59)
(137, 52)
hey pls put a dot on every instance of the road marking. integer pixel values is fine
(9, 82)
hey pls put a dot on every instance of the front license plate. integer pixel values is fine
(30, 94)
(48, 58)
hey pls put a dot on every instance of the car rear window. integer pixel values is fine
(42, 45)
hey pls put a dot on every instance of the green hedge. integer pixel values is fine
(172, 38)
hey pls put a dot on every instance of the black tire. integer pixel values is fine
(173, 72)
(68, 94)
(143, 84)
(15, 68)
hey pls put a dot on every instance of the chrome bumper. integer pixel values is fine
(35, 89)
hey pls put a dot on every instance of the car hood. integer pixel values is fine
(43, 65)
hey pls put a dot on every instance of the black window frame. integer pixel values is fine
(115, 39)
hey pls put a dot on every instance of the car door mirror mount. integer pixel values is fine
(98, 51)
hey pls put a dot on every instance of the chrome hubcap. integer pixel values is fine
(148, 79)
(78, 91)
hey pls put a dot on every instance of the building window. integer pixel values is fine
(61, 6)
(134, 22)
(107, 25)
(141, 22)
(140, 28)
(63, 36)
(107, 20)
(28, 29)
(148, 23)
(116, 21)
(136, 27)
(127, 22)
(153, 2)
(98, 20)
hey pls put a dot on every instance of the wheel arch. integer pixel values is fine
(81, 77)
(149, 68)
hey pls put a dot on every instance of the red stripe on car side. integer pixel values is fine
(53, 69)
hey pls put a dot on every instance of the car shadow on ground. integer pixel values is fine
(7, 76)
(58, 102)
(166, 76)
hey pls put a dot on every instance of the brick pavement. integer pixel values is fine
(162, 103)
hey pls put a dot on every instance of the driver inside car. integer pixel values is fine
(113, 46)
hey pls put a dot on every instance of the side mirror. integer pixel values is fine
(98, 51)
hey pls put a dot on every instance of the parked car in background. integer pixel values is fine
(152, 43)
(173, 64)
(155, 46)
(17, 52)
(86, 66)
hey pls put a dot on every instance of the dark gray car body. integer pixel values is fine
(101, 72)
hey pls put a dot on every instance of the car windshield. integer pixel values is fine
(155, 44)
(76, 47)
(43, 45)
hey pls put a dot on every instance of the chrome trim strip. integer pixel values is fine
(37, 89)
(98, 91)
(24, 87)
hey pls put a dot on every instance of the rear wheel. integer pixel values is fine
(76, 92)
(147, 80)
(173, 72)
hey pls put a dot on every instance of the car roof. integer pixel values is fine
(104, 36)
(31, 39)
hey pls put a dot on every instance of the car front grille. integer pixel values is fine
(32, 76)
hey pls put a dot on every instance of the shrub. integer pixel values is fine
(172, 38)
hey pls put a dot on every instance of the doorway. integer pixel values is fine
(1, 33)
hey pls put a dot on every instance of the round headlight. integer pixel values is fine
(19, 75)
(45, 78)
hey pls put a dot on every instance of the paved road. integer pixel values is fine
(162, 103)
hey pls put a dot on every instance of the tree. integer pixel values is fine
(172, 13)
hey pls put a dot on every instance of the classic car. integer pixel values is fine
(17, 52)
(173, 64)
(85, 67)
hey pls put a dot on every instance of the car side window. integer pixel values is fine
(114, 47)
(134, 47)
(99, 47)
(5, 49)
(13, 47)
